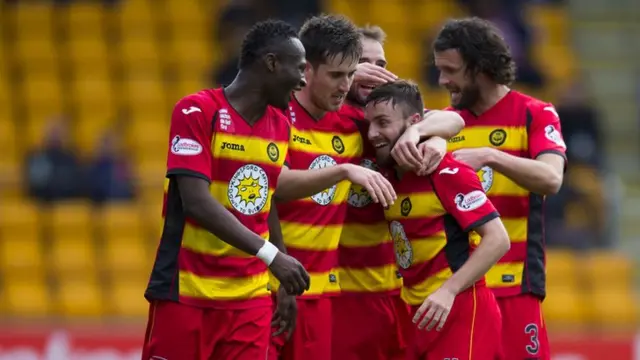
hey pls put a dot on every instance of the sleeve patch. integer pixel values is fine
(470, 201)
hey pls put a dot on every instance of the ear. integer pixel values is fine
(415, 118)
(270, 61)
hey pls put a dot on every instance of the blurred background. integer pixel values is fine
(86, 90)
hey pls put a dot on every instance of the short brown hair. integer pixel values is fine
(481, 46)
(400, 92)
(373, 32)
(327, 36)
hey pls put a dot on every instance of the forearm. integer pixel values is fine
(533, 175)
(490, 250)
(444, 124)
(213, 217)
(299, 184)
(275, 231)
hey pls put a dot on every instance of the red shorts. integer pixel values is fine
(524, 332)
(311, 340)
(472, 330)
(178, 331)
(369, 327)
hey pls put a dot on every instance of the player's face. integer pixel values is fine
(372, 53)
(329, 83)
(462, 86)
(386, 124)
(288, 74)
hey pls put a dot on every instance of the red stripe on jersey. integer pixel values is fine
(366, 256)
(205, 265)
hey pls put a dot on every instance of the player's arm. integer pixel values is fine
(543, 173)
(413, 152)
(299, 184)
(189, 164)
(473, 212)
(275, 231)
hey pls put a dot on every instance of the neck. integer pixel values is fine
(489, 98)
(245, 96)
(304, 98)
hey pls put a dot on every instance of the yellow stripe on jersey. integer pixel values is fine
(340, 196)
(403, 207)
(428, 248)
(501, 185)
(322, 143)
(416, 294)
(224, 288)
(249, 150)
(320, 283)
(516, 228)
(374, 234)
(481, 136)
(372, 279)
(303, 236)
(204, 242)
(513, 271)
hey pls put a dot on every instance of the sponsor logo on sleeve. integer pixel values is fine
(551, 133)
(185, 147)
(470, 201)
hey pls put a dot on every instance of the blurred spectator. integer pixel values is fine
(508, 16)
(234, 23)
(109, 174)
(53, 172)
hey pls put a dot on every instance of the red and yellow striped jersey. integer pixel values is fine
(366, 261)
(526, 127)
(312, 226)
(242, 162)
(431, 225)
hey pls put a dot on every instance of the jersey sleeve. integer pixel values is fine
(461, 194)
(545, 134)
(190, 137)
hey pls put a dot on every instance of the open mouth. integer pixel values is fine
(380, 145)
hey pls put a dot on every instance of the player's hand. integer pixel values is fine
(291, 274)
(433, 151)
(373, 74)
(435, 309)
(379, 188)
(406, 152)
(286, 314)
(475, 157)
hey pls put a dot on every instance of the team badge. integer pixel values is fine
(497, 137)
(325, 196)
(486, 178)
(405, 207)
(272, 152)
(248, 189)
(337, 144)
(401, 245)
(359, 196)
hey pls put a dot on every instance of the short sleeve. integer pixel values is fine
(545, 134)
(461, 194)
(190, 137)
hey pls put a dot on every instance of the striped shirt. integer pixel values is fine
(242, 163)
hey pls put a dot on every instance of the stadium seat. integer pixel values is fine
(19, 218)
(609, 270)
(125, 295)
(8, 138)
(31, 20)
(79, 295)
(387, 14)
(72, 247)
(26, 295)
(84, 19)
(562, 266)
(614, 308)
(36, 53)
(565, 305)
(21, 253)
(118, 219)
(43, 89)
(88, 52)
(71, 218)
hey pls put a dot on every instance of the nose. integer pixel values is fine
(303, 82)
(373, 132)
(344, 85)
(443, 80)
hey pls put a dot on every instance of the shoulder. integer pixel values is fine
(205, 101)
(451, 169)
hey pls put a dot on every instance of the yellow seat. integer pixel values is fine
(614, 308)
(71, 218)
(84, 19)
(562, 268)
(42, 90)
(126, 295)
(565, 305)
(127, 254)
(72, 247)
(608, 270)
(36, 53)
(145, 93)
(70, 255)
(135, 17)
(32, 20)
(121, 219)
(9, 154)
(79, 295)
(20, 216)
(21, 252)
(89, 51)
(26, 295)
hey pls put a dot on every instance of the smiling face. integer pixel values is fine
(372, 53)
(387, 122)
(329, 82)
(462, 86)
(289, 65)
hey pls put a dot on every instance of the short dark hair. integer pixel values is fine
(328, 36)
(400, 92)
(481, 46)
(373, 32)
(261, 38)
